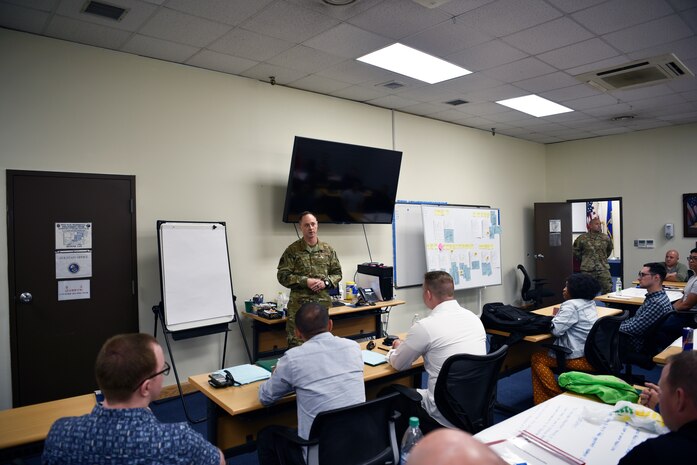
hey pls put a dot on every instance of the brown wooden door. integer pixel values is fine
(54, 341)
(553, 247)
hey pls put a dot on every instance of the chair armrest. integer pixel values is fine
(294, 438)
(560, 353)
(409, 393)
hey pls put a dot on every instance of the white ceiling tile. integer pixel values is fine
(548, 36)
(86, 33)
(572, 56)
(619, 14)
(342, 12)
(486, 55)
(446, 38)
(591, 102)
(547, 82)
(183, 28)
(358, 93)
(494, 94)
(22, 19)
(355, 72)
(424, 108)
(470, 83)
(348, 41)
(398, 18)
(569, 93)
(429, 93)
(220, 62)
(486, 108)
(680, 5)
(505, 17)
(41, 5)
(316, 83)
(667, 29)
(457, 7)
(519, 70)
(138, 12)
(305, 59)
(289, 22)
(251, 45)
(231, 12)
(684, 49)
(263, 72)
(569, 6)
(158, 48)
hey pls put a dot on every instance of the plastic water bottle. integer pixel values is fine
(416, 318)
(411, 436)
(618, 285)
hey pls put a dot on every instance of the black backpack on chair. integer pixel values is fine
(516, 321)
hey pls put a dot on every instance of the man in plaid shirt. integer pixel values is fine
(656, 304)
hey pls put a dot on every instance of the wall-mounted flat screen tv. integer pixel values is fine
(341, 183)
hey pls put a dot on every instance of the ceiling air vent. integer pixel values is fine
(456, 102)
(647, 72)
(391, 85)
(105, 10)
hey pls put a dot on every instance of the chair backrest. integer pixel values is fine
(526, 283)
(602, 344)
(465, 391)
(359, 434)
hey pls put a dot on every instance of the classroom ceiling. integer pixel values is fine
(512, 47)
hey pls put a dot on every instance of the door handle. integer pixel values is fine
(26, 297)
(538, 256)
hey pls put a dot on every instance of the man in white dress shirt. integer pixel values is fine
(448, 330)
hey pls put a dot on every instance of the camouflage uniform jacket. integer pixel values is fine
(299, 262)
(593, 250)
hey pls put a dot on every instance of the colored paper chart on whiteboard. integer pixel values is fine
(465, 242)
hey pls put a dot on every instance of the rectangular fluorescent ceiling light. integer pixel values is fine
(413, 63)
(534, 105)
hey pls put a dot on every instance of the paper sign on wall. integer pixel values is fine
(73, 264)
(74, 289)
(73, 236)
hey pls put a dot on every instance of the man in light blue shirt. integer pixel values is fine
(326, 373)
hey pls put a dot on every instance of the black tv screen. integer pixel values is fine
(341, 183)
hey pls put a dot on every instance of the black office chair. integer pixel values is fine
(601, 348)
(659, 335)
(359, 434)
(465, 391)
(533, 289)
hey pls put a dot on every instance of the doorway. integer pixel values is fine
(72, 277)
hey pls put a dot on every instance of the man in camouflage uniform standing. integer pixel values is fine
(309, 268)
(592, 249)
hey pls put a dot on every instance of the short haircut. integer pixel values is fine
(694, 250)
(123, 362)
(657, 268)
(440, 284)
(683, 373)
(312, 319)
(582, 286)
(304, 214)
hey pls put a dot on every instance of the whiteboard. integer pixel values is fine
(408, 254)
(465, 242)
(195, 274)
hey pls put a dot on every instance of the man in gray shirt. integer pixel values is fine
(326, 373)
(675, 271)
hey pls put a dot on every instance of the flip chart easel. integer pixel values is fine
(196, 286)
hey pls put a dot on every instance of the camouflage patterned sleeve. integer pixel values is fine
(578, 253)
(289, 274)
(334, 269)
(610, 246)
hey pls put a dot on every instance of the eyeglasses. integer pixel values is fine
(691, 258)
(641, 275)
(164, 371)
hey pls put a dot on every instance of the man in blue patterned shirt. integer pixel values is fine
(656, 304)
(130, 369)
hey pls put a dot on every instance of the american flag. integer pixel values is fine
(691, 210)
(590, 213)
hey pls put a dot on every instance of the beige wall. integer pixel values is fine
(210, 146)
(650, 170)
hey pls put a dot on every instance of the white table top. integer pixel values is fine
(560, 421)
